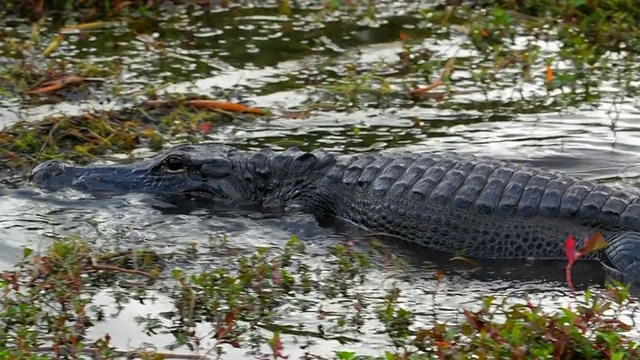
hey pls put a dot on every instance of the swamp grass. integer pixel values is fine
(597, 45)
(149, 124)
(47, 309)
(47, 299)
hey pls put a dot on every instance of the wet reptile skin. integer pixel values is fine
(473, 206)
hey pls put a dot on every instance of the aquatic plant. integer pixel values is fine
(48, 307)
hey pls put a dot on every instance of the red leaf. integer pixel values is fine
(473, 320)
(230, 317)
(570, 250)
(572, 256)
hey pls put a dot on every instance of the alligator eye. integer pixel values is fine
(174, 163)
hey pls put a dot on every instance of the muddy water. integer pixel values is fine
(279, 63)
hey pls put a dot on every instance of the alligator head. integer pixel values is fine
(211, 171)
(206, 170)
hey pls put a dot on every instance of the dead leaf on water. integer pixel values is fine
(464, 259)
(58, 84)
(209, 104)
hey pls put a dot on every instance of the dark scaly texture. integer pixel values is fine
(481, 208)
(478, 207)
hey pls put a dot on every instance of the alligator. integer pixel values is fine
(469, 205)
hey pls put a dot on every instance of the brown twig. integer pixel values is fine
(96, 266)
(439, 82)
(58, 84)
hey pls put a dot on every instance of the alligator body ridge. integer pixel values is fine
(480, 207)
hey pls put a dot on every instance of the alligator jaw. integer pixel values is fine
(55, 175)
(141, 177)
(112, 180)
(171, 173)
(200, 194)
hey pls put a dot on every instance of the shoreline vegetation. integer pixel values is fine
(48, 298)
(47, 308)
(595, 50)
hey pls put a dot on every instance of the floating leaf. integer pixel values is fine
(464, 259)
(549, 77)
(57, 85)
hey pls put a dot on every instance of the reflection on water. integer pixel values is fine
(274, 63)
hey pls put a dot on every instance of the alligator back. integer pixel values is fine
(480, 207)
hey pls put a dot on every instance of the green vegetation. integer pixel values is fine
(538, 55)
(530, 56)
(48, 308)
(83, 137)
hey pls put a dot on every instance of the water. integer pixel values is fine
(256, 54)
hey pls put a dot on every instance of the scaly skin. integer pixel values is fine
(478, 207)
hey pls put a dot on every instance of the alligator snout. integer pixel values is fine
(51, 175)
